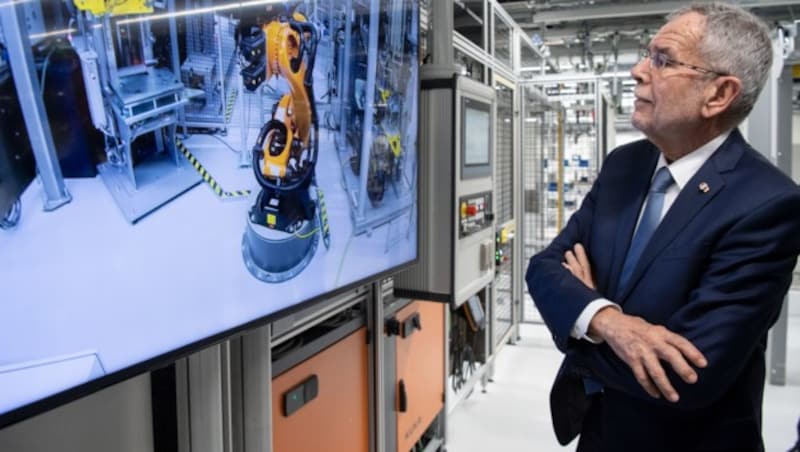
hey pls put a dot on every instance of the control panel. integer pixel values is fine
(475, 213)
(457, 205)
(503, 243)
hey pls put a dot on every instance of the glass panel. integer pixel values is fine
(468, 20)
(530, 61)
(502, 41)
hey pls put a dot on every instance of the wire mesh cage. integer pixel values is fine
(541, 128)
(209, 69)
(504, 209)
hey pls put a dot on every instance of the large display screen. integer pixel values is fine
(172, 172)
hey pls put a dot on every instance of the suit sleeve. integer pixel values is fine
(559, 296)
(738, 299)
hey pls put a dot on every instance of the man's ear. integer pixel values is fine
(720, 94)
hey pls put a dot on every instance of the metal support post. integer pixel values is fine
(770, 132)
(200, 402)
(377, 377)
(257, 390)
(176, 67)
(27, 84)
(441, 30)
(345, 92)
(366, 136)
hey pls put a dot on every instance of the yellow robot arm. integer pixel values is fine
(283, 47)
(278, 143)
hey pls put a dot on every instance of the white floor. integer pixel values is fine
(513, 414)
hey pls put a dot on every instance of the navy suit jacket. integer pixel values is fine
(715, 271)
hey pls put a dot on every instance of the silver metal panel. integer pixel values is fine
(256, 401)
(118, 418)
(469, 273)
(205, 400)
(434, 272)
(376, 360)
(291, 325)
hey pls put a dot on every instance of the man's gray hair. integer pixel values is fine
(738, 43)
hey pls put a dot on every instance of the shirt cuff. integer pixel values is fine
(581, 327)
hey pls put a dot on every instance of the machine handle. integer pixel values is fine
(402, 397)
(411, 323)
(404, 328)
(393, 327)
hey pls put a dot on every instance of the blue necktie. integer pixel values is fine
(650, 219)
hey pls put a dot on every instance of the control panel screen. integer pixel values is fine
(476, 144)
(476, 138)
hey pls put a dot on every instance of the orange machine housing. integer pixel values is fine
(420, 366)
(337, 420)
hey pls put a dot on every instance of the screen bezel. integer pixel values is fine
(59, 399)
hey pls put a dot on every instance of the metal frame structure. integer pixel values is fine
(12, 22)
(506, 275)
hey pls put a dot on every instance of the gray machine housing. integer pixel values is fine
(453, 265)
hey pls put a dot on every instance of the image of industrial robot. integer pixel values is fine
(288, 218)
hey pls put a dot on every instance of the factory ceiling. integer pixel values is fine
(593, 33)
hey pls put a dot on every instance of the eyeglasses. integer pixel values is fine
(659, 60)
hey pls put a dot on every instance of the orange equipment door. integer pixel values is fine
(336, 419)
(420, 372)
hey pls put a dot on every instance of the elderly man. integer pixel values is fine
(662, 287)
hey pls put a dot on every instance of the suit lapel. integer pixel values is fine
(698, 192)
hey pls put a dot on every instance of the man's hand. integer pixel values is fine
(640, 344)
(577, 262)
(643, 345)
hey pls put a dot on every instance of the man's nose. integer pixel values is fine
(641, 71)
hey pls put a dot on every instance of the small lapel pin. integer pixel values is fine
(704, 187)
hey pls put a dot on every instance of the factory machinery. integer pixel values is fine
(369, 108)
(133, 93)
(288, 217)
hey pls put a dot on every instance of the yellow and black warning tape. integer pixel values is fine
(231, 102)
(208, 178)
(323, 214)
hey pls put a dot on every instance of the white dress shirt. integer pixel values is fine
(682, 170)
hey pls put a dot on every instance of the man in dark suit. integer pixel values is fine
(662, 287)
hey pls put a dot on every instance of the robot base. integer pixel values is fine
(275, 256)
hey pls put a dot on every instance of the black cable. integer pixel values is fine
(228, 145)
